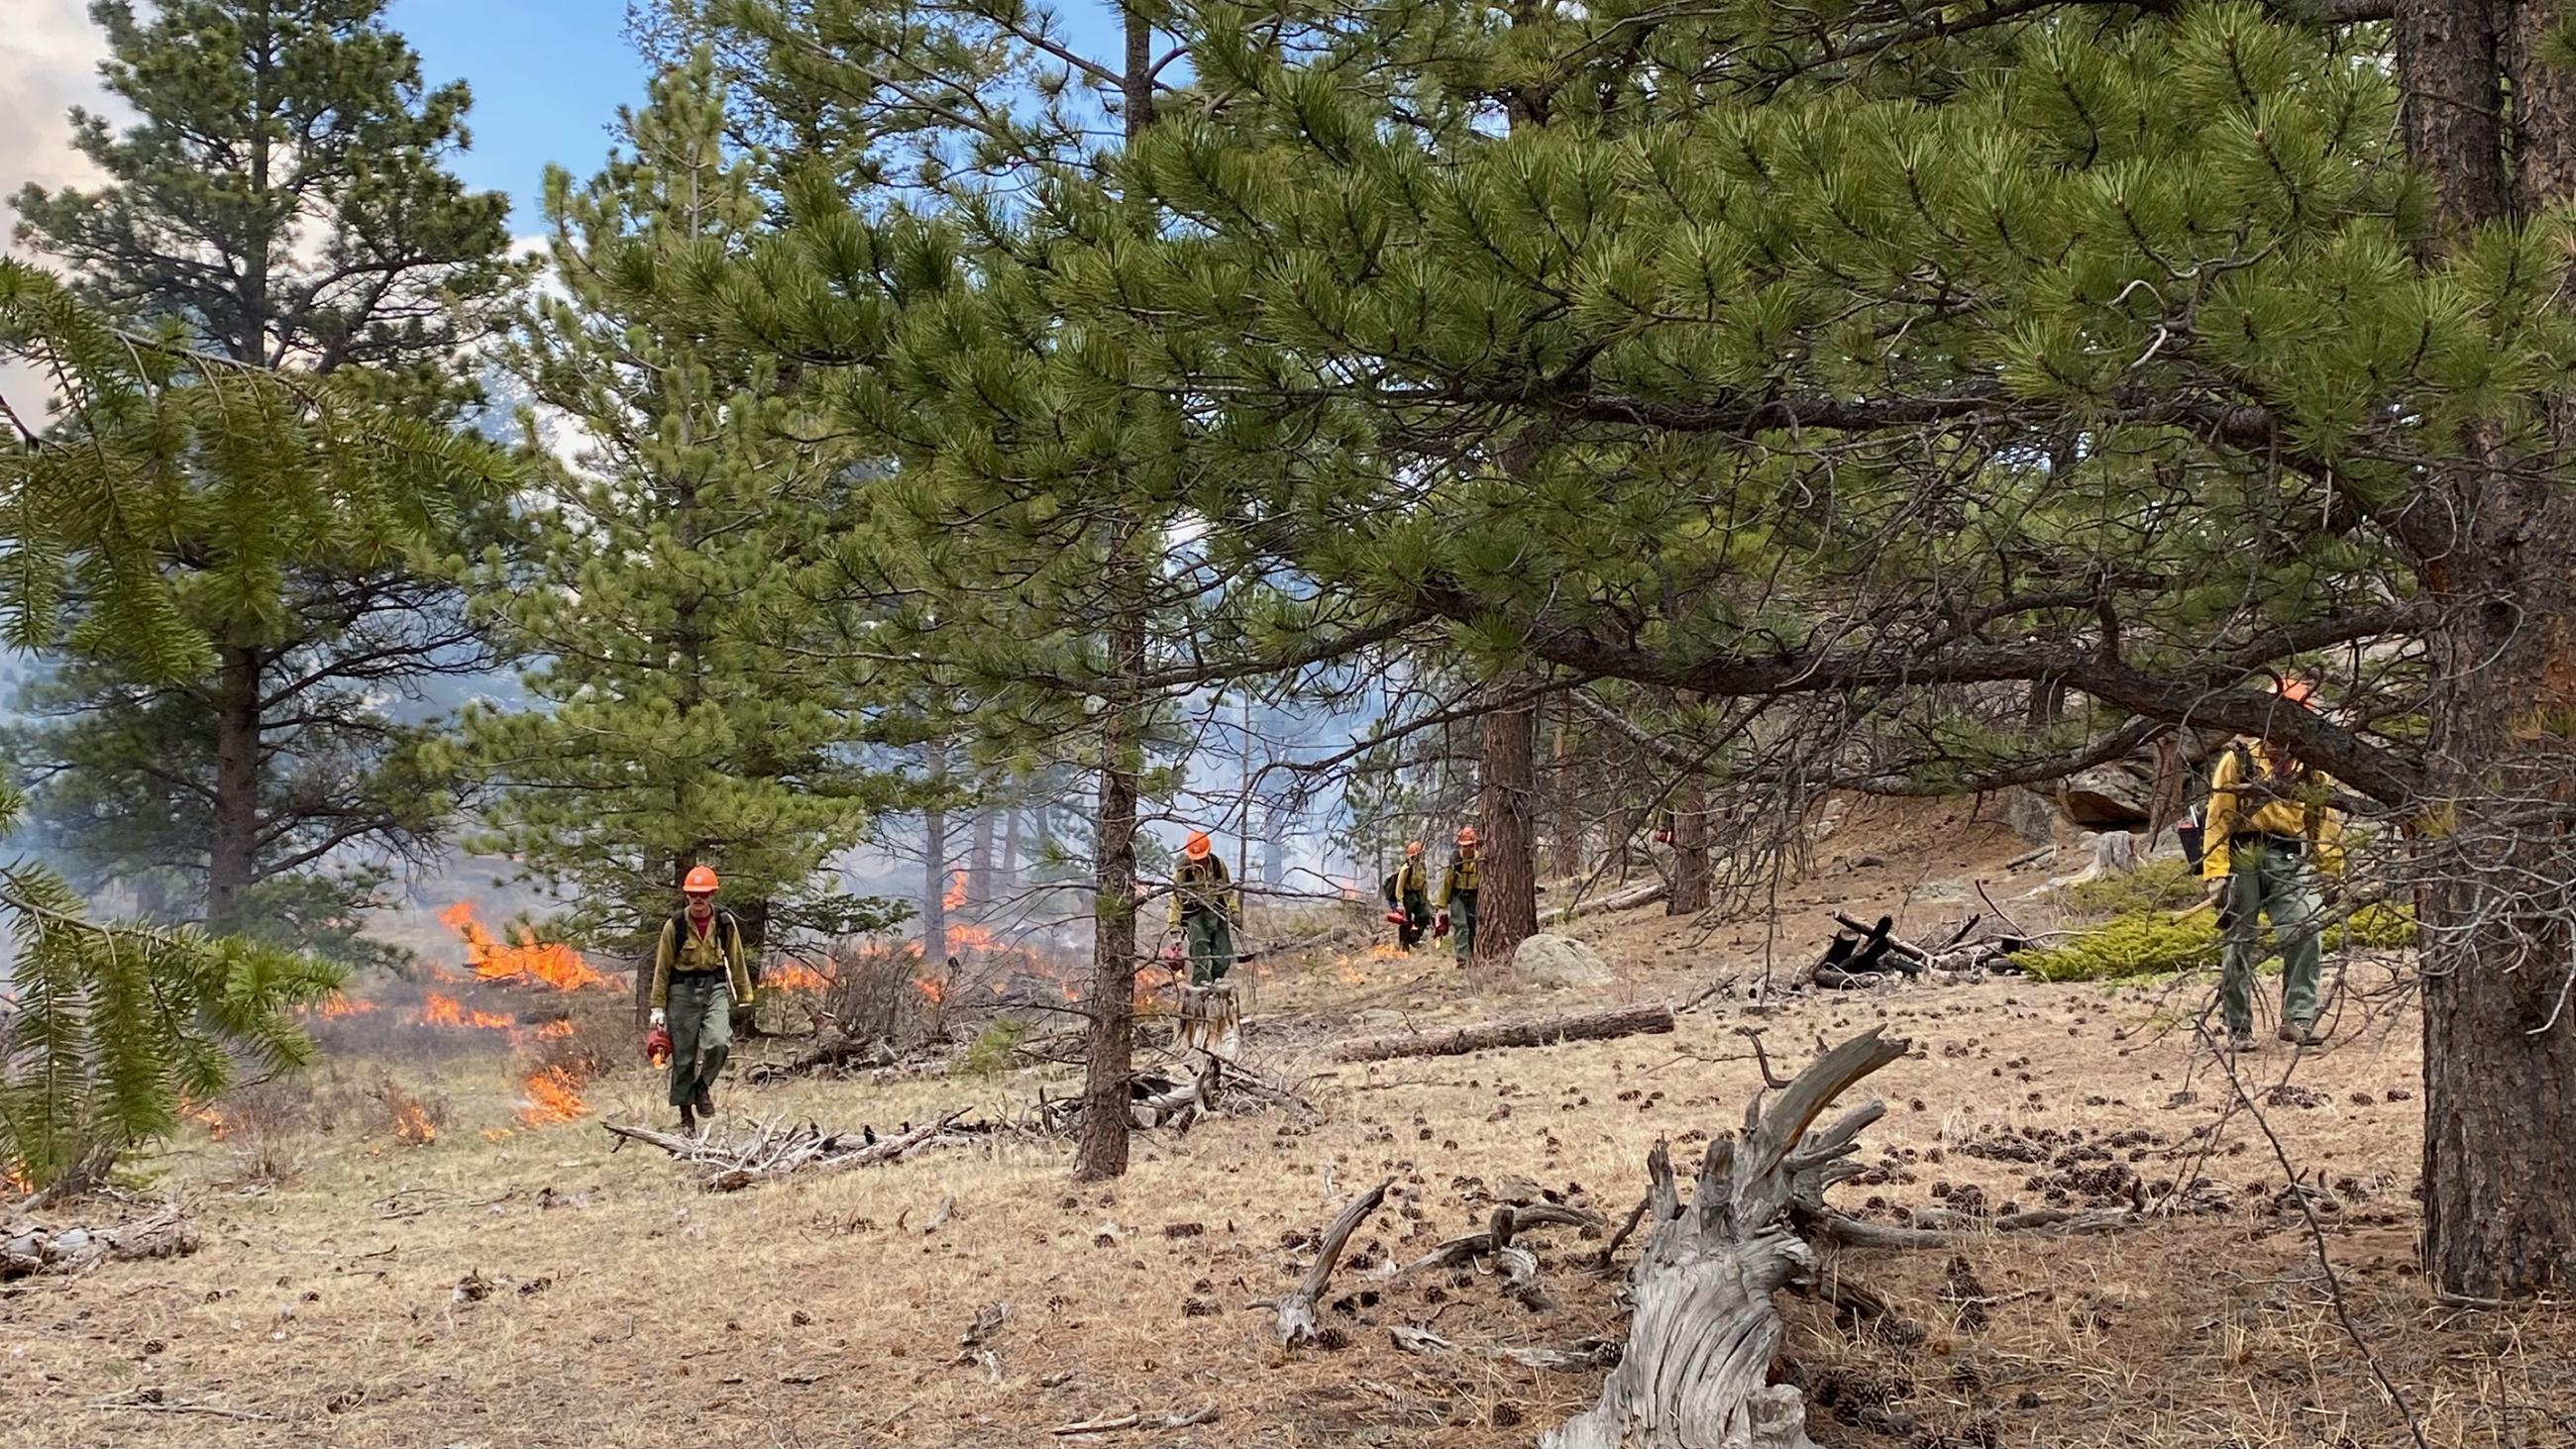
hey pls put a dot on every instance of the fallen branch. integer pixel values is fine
(766, 1154)
(1487, 1036)
(1506, 1223)
(1297, 1310)
(1643, 893)
(1188, 1420)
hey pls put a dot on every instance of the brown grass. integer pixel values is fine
(626, 1306)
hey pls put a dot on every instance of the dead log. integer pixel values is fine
(1486, 1036)
(1851, 1232)
(35, 1249)
(1695, 1374)
(1297, 1310)
(1188, 1419)
(1643, 893)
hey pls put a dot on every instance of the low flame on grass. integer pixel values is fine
(412, 1124)
(340, 1003)
(496, 1134)
(955, 895)
(447, 1011)
(216, 1127)
(554, 1095)
(1386, 951)
(552, 962)
(555, 1030)
(963, 939)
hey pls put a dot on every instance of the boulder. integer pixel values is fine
(1560, 962)
(2107, 797)
(2032, 815)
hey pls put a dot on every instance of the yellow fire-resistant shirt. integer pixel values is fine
(1461, 876)
(683, 949)
(2267, 804)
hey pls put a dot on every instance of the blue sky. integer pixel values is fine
(548, 77)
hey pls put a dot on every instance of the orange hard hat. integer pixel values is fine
(1412, 848)
(1466, 835)
(701, 881)
(1197, 846)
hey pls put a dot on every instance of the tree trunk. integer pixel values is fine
(1110, 1049)
(2497, 881)
(1507, 887)
(1691, 869)
(231, 857)
(979, 866)
(1006, 885)
(2499, 909)
(1566, 825)
(934, 866)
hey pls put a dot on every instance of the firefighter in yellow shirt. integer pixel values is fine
(2267, 843)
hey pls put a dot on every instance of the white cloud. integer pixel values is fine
(49, 55)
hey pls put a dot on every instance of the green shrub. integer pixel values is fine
(2156, 885)
(2137, 943)
(2378, 924)
(990, 1056)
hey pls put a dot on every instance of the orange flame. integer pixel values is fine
(437, 1010)
(553, 963)
(793, 976)
(216, 1126)
(496, 1134)
(1386, 951)
(412, 1124)
(931, 988)
(555, 1030)
(955, 895)
(962, 939)
(553, 1096)
(341, 1004)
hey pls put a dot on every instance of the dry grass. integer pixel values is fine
(626, 1306)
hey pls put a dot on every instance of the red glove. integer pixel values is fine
(657, 1046)
(1440, 926)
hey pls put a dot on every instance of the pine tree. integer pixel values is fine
(280, 202)
(1894, 366)
(109, 1027)
(692, 706)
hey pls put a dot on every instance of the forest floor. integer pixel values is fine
(508, 1285)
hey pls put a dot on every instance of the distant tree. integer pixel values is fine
(281, 202)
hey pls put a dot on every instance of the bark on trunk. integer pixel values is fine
(934, 873)
(2499, 913)
(232, 853)
(1566, 831)
(1486, 1036)
(1696, 1373)
(1110, 1048)
(2491, 539)
(1006, 885)
(979, 865)
(1691, 870)
(1507, 888)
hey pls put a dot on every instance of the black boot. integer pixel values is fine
(688, 1122)
(705, 1104)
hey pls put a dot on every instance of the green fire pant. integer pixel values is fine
(1209, 939)
(701, 1020)
(1417, 919)
(1462, 923)
(2278, 885)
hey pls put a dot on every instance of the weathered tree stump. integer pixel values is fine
(1695, 1374)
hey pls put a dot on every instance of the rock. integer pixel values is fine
(1560, 962)
(1938, 892)
(2032, 816)
(2107, 797)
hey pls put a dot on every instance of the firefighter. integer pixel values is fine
(1205, 910)
(2267, 843)
(1457, 900)
(700, 972)
(1408, 897)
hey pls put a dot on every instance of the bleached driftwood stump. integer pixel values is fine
(1696, 1373)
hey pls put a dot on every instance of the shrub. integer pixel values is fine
(990, 1056)
(2139, 943)
(2156, 885)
